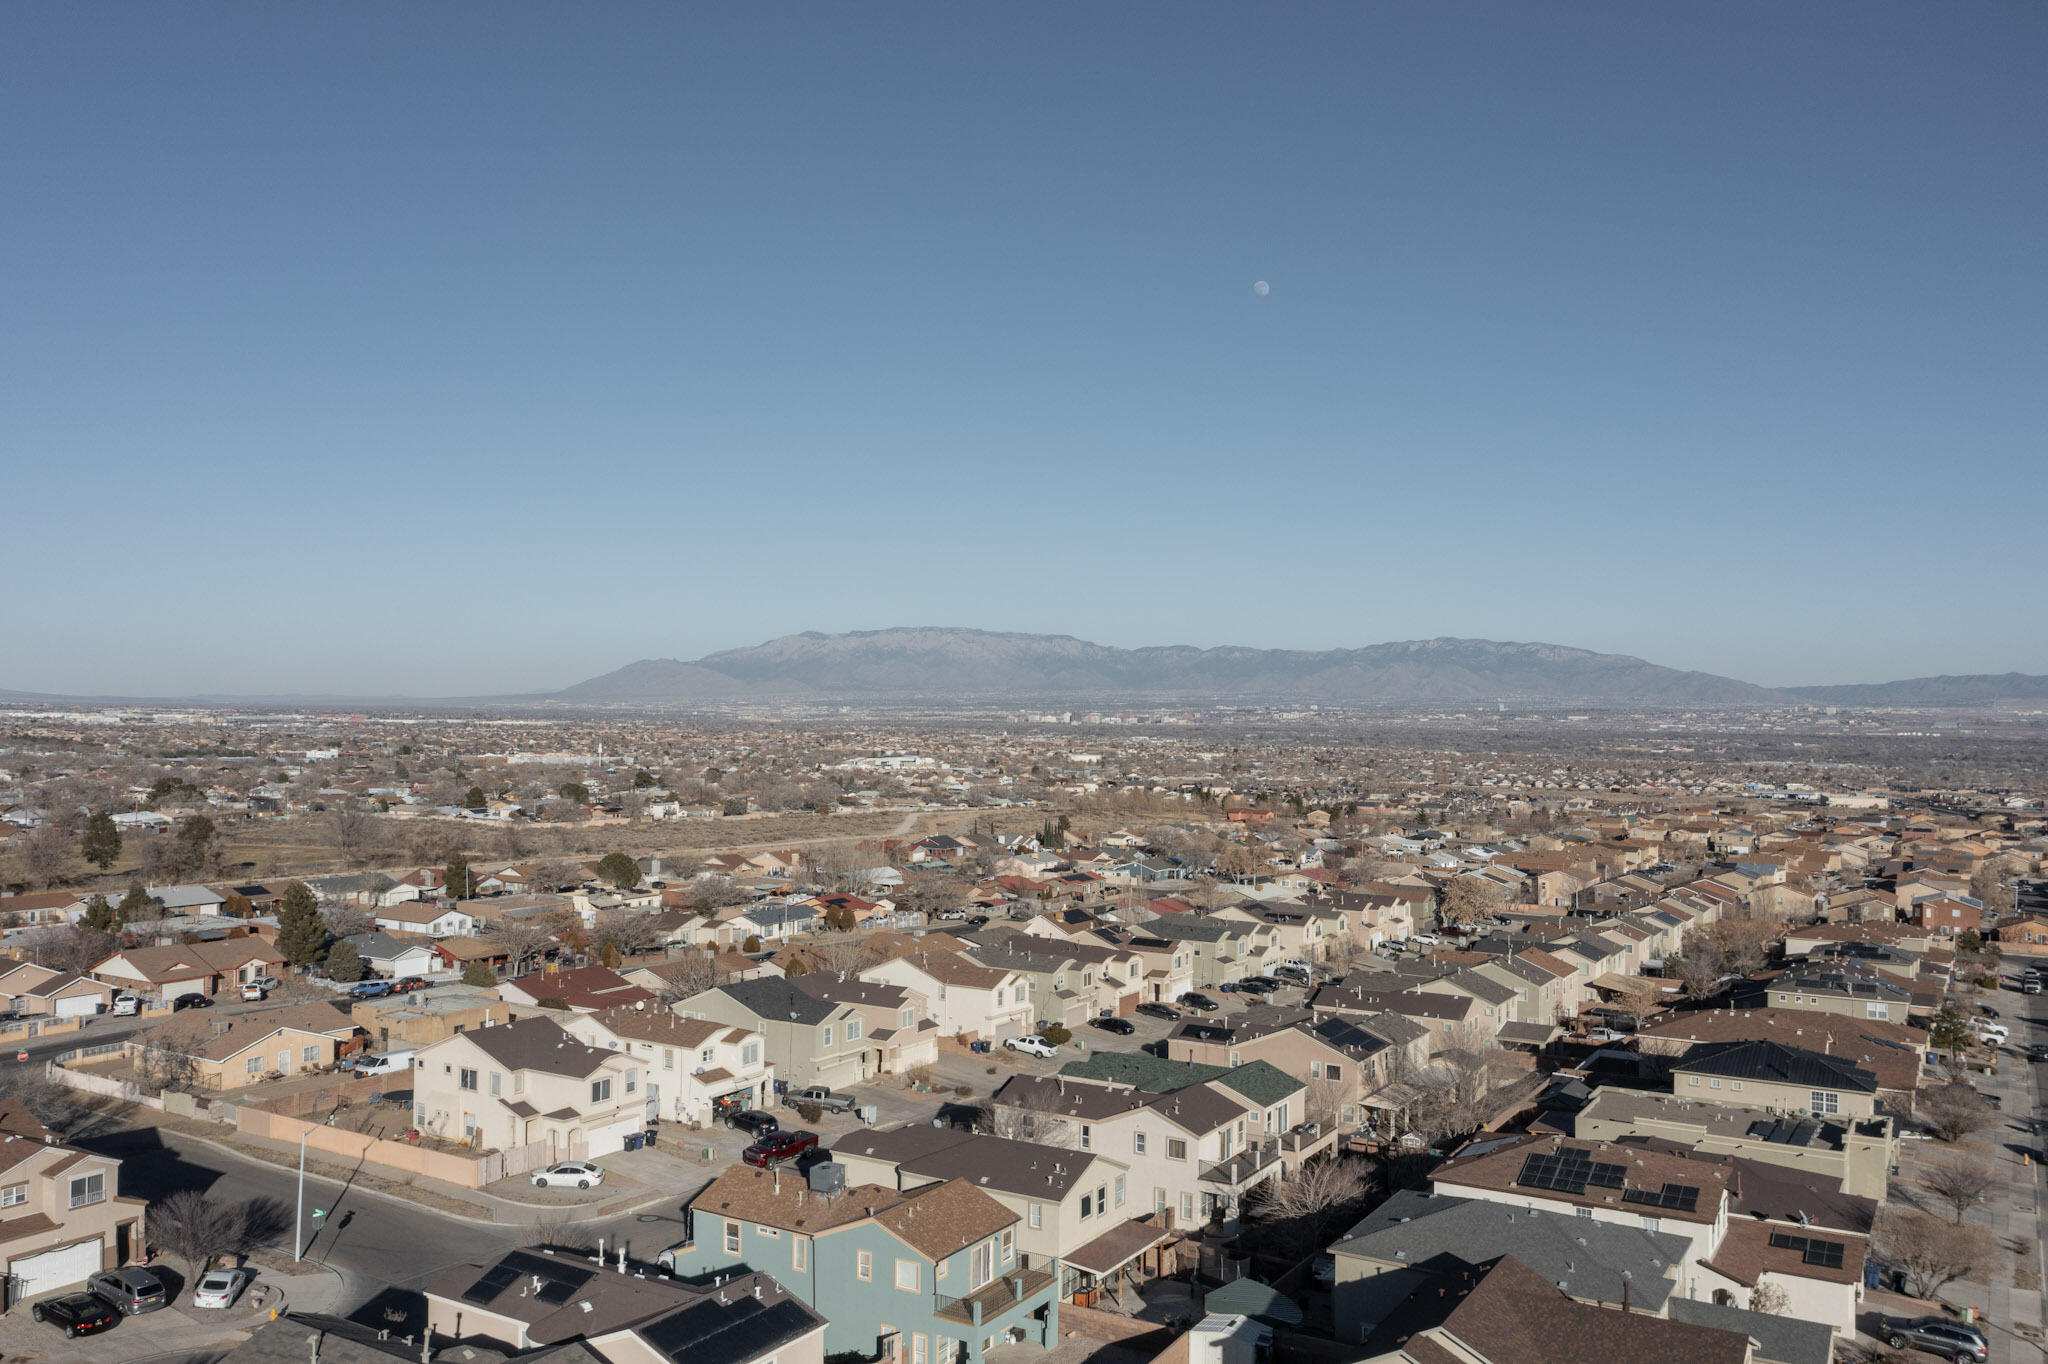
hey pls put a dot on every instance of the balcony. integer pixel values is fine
(1244, 1167)
(995, 1299)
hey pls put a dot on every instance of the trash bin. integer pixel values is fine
(634, 1140)
(647, 1137)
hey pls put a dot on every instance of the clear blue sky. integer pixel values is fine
(450, 348)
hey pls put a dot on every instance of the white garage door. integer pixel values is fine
(78, 1006)
(35, 1275)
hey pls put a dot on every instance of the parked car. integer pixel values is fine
(405, 985)
(1152, 1009)
(220, 1287)
(776, 1147)
(1122, 1027)
(254, 993)
(130, 1291)
(1259, 985)
(76, 1314)
(1426, 939)
(581, 1173)
(978, 920)
(1604, 1035)
(1032, 1046)
(2038, 1052)
(1937, 1336)
(267, 982)
(370, 989)
(1201, 1004)
(822, 1097)
(1324, 1271)
(383, 1062)
(950, 914)
(127, 1005)
(752, 1120)
(191, 1002)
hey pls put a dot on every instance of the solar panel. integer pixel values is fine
(1569, 1171)
(495, 1281)
(1812, 1249)
(1679, 1197)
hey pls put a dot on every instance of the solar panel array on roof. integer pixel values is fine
(1786, 1131)
(558, 1281)
(727, 1333)
(1569, 1171)
(495, 1281)
(1678, 1197)
(1812, 1250)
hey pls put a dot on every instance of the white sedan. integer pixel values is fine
(220, 1287)
(578, 1172)
(1031, 1046)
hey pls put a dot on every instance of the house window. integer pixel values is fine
(1332, 1071)
(1315, 1070)
(632, 1081)
(600, 1091)
(864, 1265)
(906, 1019)
(1159, 1203)
(311, 1056)
(853, 1030)
(89, 1189)
(467, 1079)
(907, 1275)
(1693, 1080)
(518, 1082)
(1119, 1197)
(254, 1063)
(704, 1057)
(1009, 1244)
(828, 1034)
(1087, 1206)
(1176, 1149)
(750, 1054)
(732, 1237)
(1187, 1208)
(800, 1254)
(1087, 1136)
(1138, 1143)
(495, 1079)
(13, 1196)
(1826, 1101)
(919, 1345)
(1584, 1212)
(668, 1058)
(1037, 1216)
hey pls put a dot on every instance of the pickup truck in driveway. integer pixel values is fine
(822, 1097)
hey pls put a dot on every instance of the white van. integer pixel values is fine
(383, 1062)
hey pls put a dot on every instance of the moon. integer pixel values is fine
(1262, 288)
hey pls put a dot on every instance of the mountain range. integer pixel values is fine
(959, 664)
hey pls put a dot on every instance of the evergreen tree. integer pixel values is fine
(475, 798)
(574, 791)
(198, 835)
(301, 933)
(102, 843)
(644, 779)
(100, 917)
(480, 974)
(455, 878)
(136, 904)
(344, 963)
(619, 869)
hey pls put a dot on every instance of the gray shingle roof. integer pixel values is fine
(1775, 1063)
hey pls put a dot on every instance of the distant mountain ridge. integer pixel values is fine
(929, 662)
(1977, 689)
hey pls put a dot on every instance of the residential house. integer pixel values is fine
(897, 1021)
(200, 968)
(809, 1041)
(421, 1018)
(66, 1218)
(528, 1082)
(235, 1053)
(435, 918)
(965, 997)
(930, 1275)
(1848, 990)
(1856, 1153)
(33, 991)
(392, 958)
(582, 989)
(1774, 1076)
(1225, 950)
(697, 1070)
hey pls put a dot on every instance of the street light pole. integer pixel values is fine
(299, 1208)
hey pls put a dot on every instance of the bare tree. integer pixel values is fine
(634, 932)
(526, 940)
(195, 1228)
(1961, 1183)
(1698, 967)
(46, 855)
(166, 1060)
(1770, 1299)
(1933, 1253)
(845, 957)
(688, 975)
(1031, 1118)
(64, 947)
(1953, 1111)
(1465, 899)
(346, 918)
(1321, 1194)
(349, 828)
(547, 875)
(838, 867)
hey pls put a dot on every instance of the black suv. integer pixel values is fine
(753, 1122)
(79, 1314)
(1201, 1004)
(1165, 1011)
(1122, 1027)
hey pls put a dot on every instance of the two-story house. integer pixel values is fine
(964, 996)
(897, 1021)
(64, 1215)
(930, 1275)
(808, 1041)
(530, 1082)
(697, 1069)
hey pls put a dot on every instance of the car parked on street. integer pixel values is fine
(130, 1291)
(581, 1173)
(370, 989)
(220, 1287)
(1937, 1336)
(76, 1314)
(252, 993)
(1032, 1046)
(752, 1121)
(776, 1147)
(1122, 1027)
(191, 1002)
(405, 985)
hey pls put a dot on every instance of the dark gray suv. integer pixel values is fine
(1938, 1336)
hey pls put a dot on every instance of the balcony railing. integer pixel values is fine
(995, 1299)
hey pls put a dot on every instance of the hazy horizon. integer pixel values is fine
(463, 349)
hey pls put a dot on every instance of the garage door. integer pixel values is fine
(78, 1006)
(35, 1275)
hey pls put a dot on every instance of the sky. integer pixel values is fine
(475, 348)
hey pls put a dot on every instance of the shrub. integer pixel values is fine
(922, 1074)
(554, 1002)
(752, 944)
(479, 974)
(963, 1091)
(810, 1112)
(1056, 1035)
